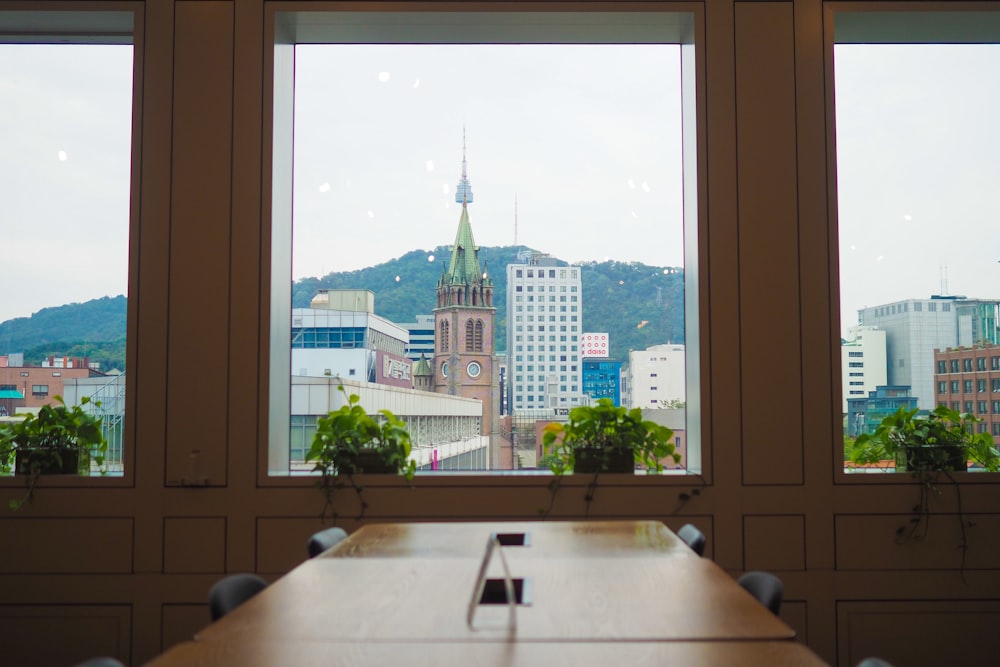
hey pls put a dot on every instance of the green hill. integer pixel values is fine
(636, 304)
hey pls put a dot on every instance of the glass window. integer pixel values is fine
(340, 177)
(66, 108)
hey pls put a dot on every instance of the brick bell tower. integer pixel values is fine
(465, 361)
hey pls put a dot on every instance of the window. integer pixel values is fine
(981, 407)
(941, 367)
(942, 387)
(67, 103)
(967, 386)
(953, 364)
(995, 363)
(856, 354)
(954, 386)
(981, 386)
(309, 123)
(980, 363)
(995, 385)
(966, 365)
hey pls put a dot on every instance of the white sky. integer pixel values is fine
(586, 137)
(918, 169)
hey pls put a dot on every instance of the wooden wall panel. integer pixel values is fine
(200, 201)
(281, 542)
(919, 634)
(869, 542)
(768, 238)
(774, 542)
(179, 622)
(194, 544)
(795, 614)
(56, 635)
(73, 545)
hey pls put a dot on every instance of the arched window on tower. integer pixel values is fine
(443, 336)
(478, 337)
(469, 336)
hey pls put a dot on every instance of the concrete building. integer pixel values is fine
(865, 414)
(37, 385)
(341, 336)
(544, 324)
(656, 376)
(916, 327)
(421, 337)
(863, 362)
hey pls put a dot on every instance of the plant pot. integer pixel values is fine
(46, 462)
(935, 457)
(369, 461)
(597, 459)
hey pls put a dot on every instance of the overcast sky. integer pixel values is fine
(587, 138)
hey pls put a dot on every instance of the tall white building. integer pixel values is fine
(915, 327)
(656, 376)
(544, 323)
(863, 362)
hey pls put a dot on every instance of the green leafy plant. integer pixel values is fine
(929, 447)
(926, 443)
(607, 430)
(57, 439)
(349, 441)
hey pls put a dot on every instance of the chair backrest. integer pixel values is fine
(101, 662)
(874, 662)
(692, 537)
(230, 592)
(766, 587)
(324, 539)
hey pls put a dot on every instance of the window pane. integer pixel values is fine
(413, 159)
(65, 159)
(917, 141)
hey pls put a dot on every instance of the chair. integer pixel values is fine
(692, 537)
(324, 539)
(766, 587)
(230, 592)
(874, 662)
(101, 662)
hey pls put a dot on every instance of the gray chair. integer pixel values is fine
(324, 540)
(874, 662)
(692, 537)
(230, 592)
(766, 587)
(101, 662)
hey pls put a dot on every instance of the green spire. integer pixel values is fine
(464, 267)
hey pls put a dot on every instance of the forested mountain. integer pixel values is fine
(637, 304)
(94, 329)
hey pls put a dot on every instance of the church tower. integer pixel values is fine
(465, 361)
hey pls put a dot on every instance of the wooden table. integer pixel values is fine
(580, 539)
(600, 591)
(493, 654)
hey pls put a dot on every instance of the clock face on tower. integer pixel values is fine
(473, 369)
(444, 369)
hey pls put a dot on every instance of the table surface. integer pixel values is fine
(595, 589)
(580, 539)
(589, 599)
(494, 654)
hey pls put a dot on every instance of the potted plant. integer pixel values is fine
(607, 438)
(58, 440)
(349, 441)
(944, 440)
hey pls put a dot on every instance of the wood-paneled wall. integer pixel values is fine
(123, 567)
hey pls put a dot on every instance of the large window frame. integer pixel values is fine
(97, 23)
(886, 23)
(288, 24)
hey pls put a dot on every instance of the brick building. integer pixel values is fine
(967, 379)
